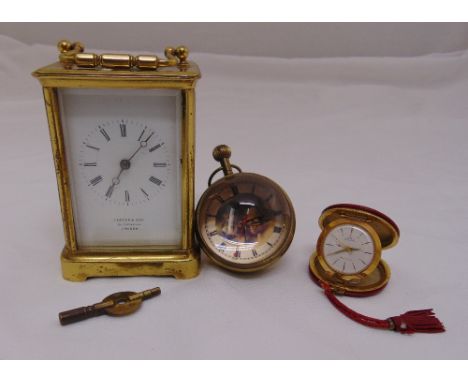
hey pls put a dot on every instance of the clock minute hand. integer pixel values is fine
(341, 244)
(142, 144)
(337, 252)
(262, 218)
(125, 165)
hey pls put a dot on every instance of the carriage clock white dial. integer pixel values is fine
(123, 154)
(109, 157)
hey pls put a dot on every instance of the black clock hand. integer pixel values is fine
(125, 165)
(118, 176)
(337, 252)
(116, 180)
(142, 144)
(263, 218)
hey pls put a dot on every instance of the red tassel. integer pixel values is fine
(417, 321)
(421, 321)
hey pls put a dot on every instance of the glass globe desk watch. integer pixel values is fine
(245, 222)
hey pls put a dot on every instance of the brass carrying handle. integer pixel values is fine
(73, 54)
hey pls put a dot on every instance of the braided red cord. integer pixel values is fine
(355, 316)
(414, 321)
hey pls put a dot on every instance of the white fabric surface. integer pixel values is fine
(390, 133)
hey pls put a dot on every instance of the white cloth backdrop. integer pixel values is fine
(390, 133)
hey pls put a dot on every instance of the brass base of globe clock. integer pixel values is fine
(79, 267)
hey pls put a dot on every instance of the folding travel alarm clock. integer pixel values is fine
(349, 249)
(347, 261)
(122, 134)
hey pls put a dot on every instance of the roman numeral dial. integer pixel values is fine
(125, 162)
(245, 221)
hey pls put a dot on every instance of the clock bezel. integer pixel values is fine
(80, 263)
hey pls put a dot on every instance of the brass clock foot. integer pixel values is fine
(80, 267)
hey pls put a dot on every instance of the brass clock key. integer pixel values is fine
(117, 304)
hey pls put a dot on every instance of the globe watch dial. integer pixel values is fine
(246, 220)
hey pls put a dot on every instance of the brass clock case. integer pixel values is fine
(78, 69)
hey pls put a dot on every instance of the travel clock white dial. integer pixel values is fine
(348, 249)
(123, 154)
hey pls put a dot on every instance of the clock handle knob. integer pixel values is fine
(181, 53)
(221, 154)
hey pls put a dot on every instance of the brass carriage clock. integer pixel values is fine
(123, 140)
